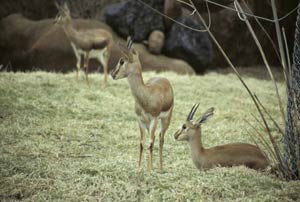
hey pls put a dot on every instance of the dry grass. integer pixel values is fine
(64, 141)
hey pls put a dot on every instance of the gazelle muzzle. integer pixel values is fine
(114, 72)
(177, 133)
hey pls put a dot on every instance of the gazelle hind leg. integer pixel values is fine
(152, 128)
(103, 59)
(142, 139)
(78, 64)
(165, 122)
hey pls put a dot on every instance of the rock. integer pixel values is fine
(135, 19)
(193, 47)
(156, 42)
(202, 7)
(173, 10)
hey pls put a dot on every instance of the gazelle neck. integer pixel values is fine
(137, 85)
(69, 30)
(197, 150)
(196, 142)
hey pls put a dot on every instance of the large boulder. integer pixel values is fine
(135, 19)
(193, 47)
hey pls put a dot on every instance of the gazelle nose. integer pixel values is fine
(112, 75)
(177, 133)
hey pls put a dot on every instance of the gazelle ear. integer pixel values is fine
(66, 6)
(207, 115)
(129, 42)
(57, 5)
(123, 49)
(134, 52)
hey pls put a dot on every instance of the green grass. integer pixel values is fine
(61, 140)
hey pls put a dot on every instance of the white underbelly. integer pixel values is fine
(94, 53)
(147, 120)
(163, 114)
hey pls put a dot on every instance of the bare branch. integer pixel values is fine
(173, 20)
(263, 57)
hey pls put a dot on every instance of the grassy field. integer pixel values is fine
(62, 140)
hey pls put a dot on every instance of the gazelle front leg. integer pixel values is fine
(78, 60)
(86, 66)
(142, 140)
(105, 71)
(152, 128)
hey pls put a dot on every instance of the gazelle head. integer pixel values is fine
(63, 15)
(128, 64)
(191, 128)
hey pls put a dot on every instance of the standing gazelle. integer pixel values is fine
(154, 100)
(223, 155)
(92, 43)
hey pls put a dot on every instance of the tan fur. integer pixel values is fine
(94, 43)
(222, 155)
(154, 100)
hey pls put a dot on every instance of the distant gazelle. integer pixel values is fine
(154, 100)
(91, 43)
(223, 155)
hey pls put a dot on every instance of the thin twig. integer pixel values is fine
(279, 36)
(263, 140)
(270, 116)
(173, 20)
(289, 67)
(263, 57)
(252, 15)
(265, 31)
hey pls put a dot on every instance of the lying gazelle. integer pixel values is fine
(223, 155)
(92, 43)
(154, 100)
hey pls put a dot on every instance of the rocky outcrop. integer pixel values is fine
(134, 19)
(156, 42)
(193, 47)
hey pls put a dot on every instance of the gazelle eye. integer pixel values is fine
(121, 61)
(183, 126)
